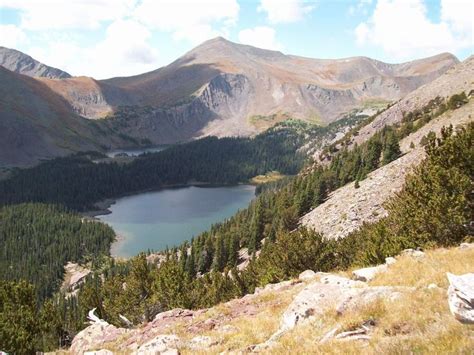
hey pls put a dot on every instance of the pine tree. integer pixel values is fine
(139, 284)
(257, 228)
(19, 326)
(233, 254)
(172, 285)
(391, 149)
(220, 256)
(191, 263)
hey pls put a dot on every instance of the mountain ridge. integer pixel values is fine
(22, 63)
(36, 123)
(223, 88)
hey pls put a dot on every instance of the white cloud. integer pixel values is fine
(189, 20)
(285, 11)
(70, 14)
(120, 42)
(459, 14)
(124, 51)
(11, 36)
(262, 37)
(359, 7)
(404, 31)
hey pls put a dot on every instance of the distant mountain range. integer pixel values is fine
(218, 88)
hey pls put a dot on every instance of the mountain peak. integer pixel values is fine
(220, 47)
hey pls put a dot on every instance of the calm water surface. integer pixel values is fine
(136, 151)
(155, 220)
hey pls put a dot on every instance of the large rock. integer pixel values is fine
(368, 273)
(466, 246)
(318, 298)
(95, 336)
(274, 287)
(413, 253)
(368, 295)
(307, 275)
(332, 292)
(461, 297)
(336, 280)
(161, 344)
(201, 342)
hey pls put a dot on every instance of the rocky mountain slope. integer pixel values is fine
(457, 79)
(402, 307)
(380, 309)
(223, 88)
(219, 88)
(348, 208)
(22, 63)
(36, 123)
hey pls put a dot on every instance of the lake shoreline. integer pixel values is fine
(119, 239)
(136, 151)
(174, 214)
(104, 205)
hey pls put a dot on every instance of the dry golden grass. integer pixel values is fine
(268, 177)
(418, 322)
(420, 272)
(251, 330)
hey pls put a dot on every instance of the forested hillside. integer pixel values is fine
(448, 171)
(77, 182)
(268, 228)
(443, 181)
(38, 240)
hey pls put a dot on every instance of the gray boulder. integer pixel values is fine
(466, 246)
(307, 275)
(368, 273)
(332, 292)
(201, 342)
(95, 336)
(161, 344)
(461, 297)
(413, 253)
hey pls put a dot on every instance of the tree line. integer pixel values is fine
(38, 240)
(443, 182)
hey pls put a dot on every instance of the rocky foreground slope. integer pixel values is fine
(402, 307)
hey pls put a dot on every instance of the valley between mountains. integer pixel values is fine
(359, 238)
(219, 88)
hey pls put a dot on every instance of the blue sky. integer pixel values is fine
(105, 38)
